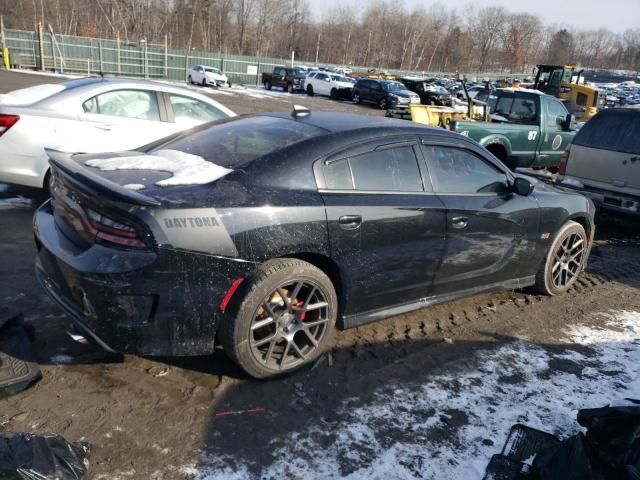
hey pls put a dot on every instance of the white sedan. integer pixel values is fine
(91, 115)
(327, 83)
(203, 75)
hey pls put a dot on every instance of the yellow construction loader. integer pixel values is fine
(581, 100)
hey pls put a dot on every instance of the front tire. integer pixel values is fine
(283, 320)
(289, 88)
(383, 104)
(334, 94)
(564, 261)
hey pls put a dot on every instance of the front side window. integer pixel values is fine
(388, 170)
(189, 111)
(454, 170)
(555, 110)
(140, 104)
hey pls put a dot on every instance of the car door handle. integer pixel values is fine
(459, 222)
(350, 222)
(103, 126)
(634, 159)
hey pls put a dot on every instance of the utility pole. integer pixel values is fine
(317, 47)
(40, 45)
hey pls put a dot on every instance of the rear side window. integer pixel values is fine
(454, 170)
(140, 104)
(517, 109)
(612, 130)
(189, 111)
(240, 141)
(388, 170)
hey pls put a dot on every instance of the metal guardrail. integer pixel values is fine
(91, 56)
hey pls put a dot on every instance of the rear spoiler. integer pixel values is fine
(65, 162)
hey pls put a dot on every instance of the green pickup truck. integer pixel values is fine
(527, 128)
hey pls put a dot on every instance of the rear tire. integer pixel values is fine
(267, 85)
(310, 90)
(356, 99)
(268, 329)
(189, 80)
(564, 261)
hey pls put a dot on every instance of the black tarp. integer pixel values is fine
(24, 456)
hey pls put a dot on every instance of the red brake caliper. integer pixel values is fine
(300, 304)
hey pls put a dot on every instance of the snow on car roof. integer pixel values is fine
(187, 169)
(30, 95)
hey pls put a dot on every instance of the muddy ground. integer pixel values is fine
(159, 418)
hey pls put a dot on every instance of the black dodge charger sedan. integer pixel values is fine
(264, 233)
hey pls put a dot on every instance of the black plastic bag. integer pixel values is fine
(24, 456)
(613, 439)
(568, 460)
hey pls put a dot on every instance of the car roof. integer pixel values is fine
(335, 122)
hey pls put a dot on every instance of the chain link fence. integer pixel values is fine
(95, 56)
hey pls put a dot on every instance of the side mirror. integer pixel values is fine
(569, 123)
(522, 186)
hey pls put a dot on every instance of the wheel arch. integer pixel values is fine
(581, 219)
(500, 147)
(330, 269)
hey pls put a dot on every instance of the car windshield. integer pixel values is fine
(392, 86)
(298, 72)
(232, 143)
(340, 78)
(212, 70)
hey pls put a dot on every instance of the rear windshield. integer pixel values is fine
(616, 130)
(239, 141)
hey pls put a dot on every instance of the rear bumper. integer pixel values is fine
(605, 199)
(147, 303)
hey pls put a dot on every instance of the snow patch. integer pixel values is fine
(134, 186)
(406, 432)
(61, 359)
(187, 169)
(15, 202)
(30, 95)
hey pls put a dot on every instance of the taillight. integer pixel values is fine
(562, 168)
(106, 230)
(7, 121)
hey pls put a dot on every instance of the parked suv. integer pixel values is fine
(384, 93)
(430, 93)
(327, 83)
(603, 162)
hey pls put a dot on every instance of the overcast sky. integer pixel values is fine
(616, 15)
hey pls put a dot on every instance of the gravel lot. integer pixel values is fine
(416, 396)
